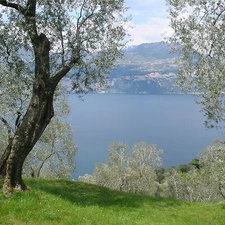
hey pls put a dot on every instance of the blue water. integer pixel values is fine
(172, 122)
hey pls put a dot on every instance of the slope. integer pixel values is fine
(69, 202)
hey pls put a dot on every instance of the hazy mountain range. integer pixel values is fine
(148, 68)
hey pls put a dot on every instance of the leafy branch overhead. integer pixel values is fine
(200, 29)
(87, 36)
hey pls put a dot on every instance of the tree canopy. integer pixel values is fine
(128, 172)
(199, 34)
(85, 35)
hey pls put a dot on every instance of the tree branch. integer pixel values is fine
(8, 128)
(31, 8)
(18, 7)
(64, 70)
(42, 163)
(28, 11)
(46, 158)
(80, 22)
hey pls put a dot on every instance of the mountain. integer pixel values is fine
(150, 51)
(148, 68)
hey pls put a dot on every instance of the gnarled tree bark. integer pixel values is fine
(6, 153)
(39, 114)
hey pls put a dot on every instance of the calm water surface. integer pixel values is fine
(172, 122)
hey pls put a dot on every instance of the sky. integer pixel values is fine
(149, 21)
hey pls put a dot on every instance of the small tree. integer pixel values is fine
(54, 154)
(125, 172)
(200, 184)
(43, 41)
(199, 35)
(212, 161)
(114, 173)
(145, 158)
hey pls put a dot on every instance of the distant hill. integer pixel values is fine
(148, 68)
(150, 51)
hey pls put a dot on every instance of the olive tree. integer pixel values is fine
(212, 162)
(204, 183)
(143, 162)
(199, 34)
(128, 172)
(114, 173)
(53, 156)
(46, 41)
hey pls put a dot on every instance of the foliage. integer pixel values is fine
(14, 97)
(54, 154)
(212, 161)
(125, 172)
(67, 202)
(203, 184)
(85, 35)
(199, 35)
(202, 180)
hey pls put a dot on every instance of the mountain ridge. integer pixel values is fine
(148, 68)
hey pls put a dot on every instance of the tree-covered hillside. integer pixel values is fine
(148, 68)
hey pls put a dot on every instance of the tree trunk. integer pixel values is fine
(3, 161)
(38, 116)
(6, 153)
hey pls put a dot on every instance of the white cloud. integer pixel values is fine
(149, 21)
(151, 31)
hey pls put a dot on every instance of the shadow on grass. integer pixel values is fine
(88, 194)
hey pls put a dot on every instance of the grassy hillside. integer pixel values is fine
(67, 202)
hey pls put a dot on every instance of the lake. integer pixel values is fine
(173, 122)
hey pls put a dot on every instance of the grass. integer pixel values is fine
(68, 202)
